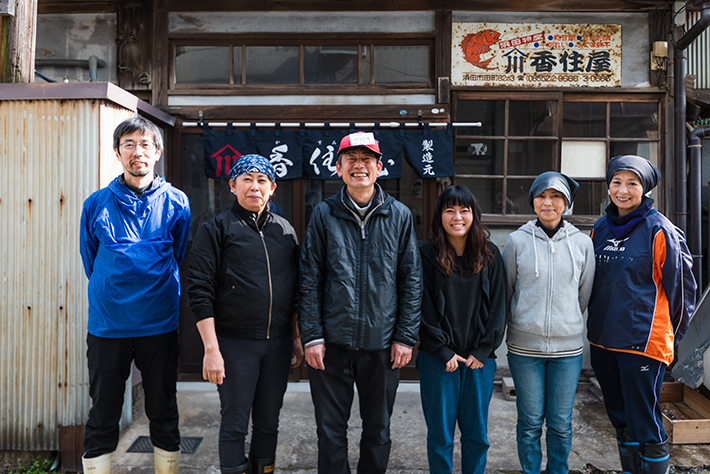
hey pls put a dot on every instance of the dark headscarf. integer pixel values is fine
(557, 181)
(641, 167)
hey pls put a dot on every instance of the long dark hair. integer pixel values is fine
(477, 254)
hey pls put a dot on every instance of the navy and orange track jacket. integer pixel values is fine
(644, 289)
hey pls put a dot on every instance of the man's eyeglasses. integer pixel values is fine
(131, 146)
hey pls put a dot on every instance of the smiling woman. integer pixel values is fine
(545, 321)
(463, 320)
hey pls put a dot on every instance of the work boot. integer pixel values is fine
(628, 452)
(166, 462)
(263, 466)
(654, 458)
(241, 469)
(97, 465)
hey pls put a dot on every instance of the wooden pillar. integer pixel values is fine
(18, 34)
(159, 82)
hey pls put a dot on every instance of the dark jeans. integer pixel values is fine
(631, 385)
(332, 392)
(109, 367)
(255, 381)
(461, 396)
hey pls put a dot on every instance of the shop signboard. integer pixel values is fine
(536, 55)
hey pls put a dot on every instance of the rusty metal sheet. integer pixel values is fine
(51, 156)
(536, 54)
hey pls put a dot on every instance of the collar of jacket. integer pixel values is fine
(125, 195)
(250, 217)
(341, 206)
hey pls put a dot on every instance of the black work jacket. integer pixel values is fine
(360, 279)
(245, 275)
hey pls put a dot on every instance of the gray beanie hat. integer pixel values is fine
(557, 181)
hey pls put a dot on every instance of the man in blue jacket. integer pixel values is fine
(133, 238)
(360, 306)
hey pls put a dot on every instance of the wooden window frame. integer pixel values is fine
(561, 97)
(236, 87)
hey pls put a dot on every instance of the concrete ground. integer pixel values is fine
(593, 446)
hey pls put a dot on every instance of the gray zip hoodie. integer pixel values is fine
(549, 283)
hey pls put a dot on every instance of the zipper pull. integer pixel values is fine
(552, 247)
(362, 230)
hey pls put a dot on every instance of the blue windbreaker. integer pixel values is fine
(131, 248)
(644, 290)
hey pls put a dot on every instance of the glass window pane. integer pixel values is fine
(584, 158)
(478, 156)
(488, 192)
(273, 65)
(532, 118)
(531, 157)
(517, 199)
(491, 114)
(634, 120)
(202, 64)
(591, 199)
(401, 64)
(330, 64)
(582, 119)
(648, 150)
(366, 63)
(237, 64)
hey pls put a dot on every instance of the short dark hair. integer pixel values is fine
(141, 124)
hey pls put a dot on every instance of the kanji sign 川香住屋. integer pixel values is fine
(536, 54)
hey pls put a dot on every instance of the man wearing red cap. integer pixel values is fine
(360, 300)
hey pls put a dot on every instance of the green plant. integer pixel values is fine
(39, 466)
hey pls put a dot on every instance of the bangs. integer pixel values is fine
(458, 196)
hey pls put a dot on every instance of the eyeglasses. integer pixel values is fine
(131, 146)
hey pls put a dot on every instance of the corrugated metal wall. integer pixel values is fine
(699, 55)
(51, 156)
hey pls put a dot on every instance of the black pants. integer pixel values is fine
(332, 393)
(631, 385)
(109, 367)
(255, 381)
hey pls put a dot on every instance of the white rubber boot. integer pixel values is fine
(166, 462)
(99, 465)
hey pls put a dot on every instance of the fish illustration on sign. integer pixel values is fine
(476, 44)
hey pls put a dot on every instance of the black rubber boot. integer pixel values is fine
(241, 469)
(654, 458)
(628, 452)
(263, 466)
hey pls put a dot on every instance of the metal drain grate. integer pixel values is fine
(144, 445)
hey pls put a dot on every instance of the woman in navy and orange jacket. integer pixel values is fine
(642, 299)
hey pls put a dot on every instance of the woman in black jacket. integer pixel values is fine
(242, 292)
(463, 320)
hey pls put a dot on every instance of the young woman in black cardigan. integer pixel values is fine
(463, 320)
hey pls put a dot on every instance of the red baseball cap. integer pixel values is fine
(360, 139)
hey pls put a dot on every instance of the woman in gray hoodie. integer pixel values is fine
(550, 270)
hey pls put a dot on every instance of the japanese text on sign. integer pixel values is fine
(530, 54)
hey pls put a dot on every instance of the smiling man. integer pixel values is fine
(360, 306)
(133, 237)
(242, 289)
